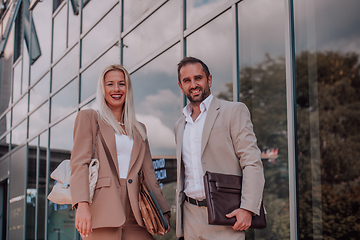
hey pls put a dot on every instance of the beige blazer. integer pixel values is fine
(107, 209)
(229, 146)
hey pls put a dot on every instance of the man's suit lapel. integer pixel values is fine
(109, 137)
(212, 114)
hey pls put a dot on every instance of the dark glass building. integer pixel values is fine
(294, 63)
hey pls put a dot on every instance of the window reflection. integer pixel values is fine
(152, 33)
(17, 82)
(60, 33)
(95, 42)
(42, 21)
(39, 93)
(74, 27)
(31, 191)
(19, 134)
(90, 77)
(134, 10)
(216, 51)
(94, 10)
(328, 100)
(16, 194)
(39, 120)
(197, 9)
(20, 110)
(262, 83)
(42, 163)
(25, 73)
(66, 69)
(60, 217)
(158, 101)
(65, 100)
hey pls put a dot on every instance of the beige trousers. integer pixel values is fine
(196, 226)
(129, 231)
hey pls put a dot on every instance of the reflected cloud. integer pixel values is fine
(160, 136)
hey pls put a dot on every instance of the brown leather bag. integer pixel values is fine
(151, 213)
(223, 195)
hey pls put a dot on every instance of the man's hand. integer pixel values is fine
(83, 219)
(243, 219)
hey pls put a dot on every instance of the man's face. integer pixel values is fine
(193, 82)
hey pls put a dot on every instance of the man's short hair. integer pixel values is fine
(192, 60)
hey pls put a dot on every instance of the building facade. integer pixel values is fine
(294, 63)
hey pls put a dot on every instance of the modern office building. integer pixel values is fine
(294, 63)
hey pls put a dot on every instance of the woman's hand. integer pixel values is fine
(83, 219)
(167, 217)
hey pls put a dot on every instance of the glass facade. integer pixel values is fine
(52, 55)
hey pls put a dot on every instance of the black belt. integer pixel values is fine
(201, 203)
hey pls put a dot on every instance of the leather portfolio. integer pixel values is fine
(223, 195)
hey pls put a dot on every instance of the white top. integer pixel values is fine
(124, 147)
(191, 150)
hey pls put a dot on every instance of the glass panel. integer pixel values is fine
(31, 191)
(262, 82)
(42, 166)
(74, 27)
(17, 194)
(197, 9)
(90, 105)
(219, 60)
(61, 219)
(42, 21)
(152, 34)
(158, 104)
(20, 110)
(40, 92)
(95, 41)
(65, 100)
(94, 10)
(3, 124)
(39, 120)
(66, 69)
(25, 74)
(56, 4)
(134, 10)
(90, 77)
(60, 33)
(327, 40)
(17, 82)
(152, 84)
(19, 134)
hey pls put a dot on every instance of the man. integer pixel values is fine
(217, 136)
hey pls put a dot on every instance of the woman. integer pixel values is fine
(114, 212)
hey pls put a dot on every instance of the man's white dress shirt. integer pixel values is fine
(191, 150)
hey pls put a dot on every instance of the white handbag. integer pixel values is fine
(60, 193)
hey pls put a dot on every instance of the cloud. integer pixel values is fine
(160, 136)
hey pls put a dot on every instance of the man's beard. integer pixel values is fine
(204, 94)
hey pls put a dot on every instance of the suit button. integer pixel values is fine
(130, 181)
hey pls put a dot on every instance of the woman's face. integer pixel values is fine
(115, 89)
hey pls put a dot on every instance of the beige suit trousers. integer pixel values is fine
(129, 231)
(196, 226)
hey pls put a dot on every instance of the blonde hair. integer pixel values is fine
(128, 113)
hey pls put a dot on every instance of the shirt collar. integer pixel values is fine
(204, 105)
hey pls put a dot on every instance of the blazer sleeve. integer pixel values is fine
(245, 145)
(81, 156)
(150, 179)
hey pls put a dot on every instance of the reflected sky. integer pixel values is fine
(60, 31)
(95, 42)
(197, 9)
(133, 10)
(65, 100)
(152, 33)
(158, 101)
(213, 44)
(39, 120)
(39, 93)
(61, 135)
